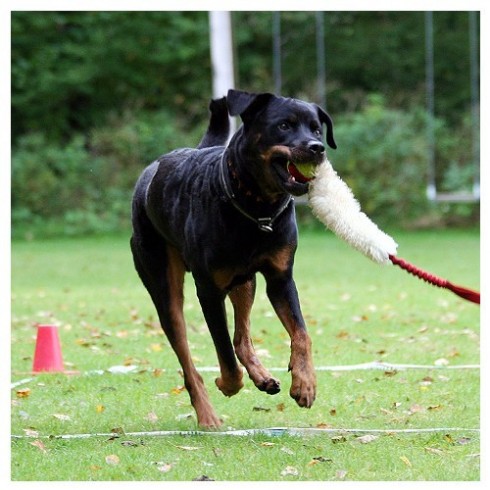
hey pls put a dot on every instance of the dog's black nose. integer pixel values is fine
(316, 147)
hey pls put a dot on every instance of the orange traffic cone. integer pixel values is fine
(47, 356)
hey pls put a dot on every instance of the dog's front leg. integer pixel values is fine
(213, 306)
(283, 295)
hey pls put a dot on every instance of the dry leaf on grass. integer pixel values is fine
(40, 445)
(406, 461)
(434, 450)
(61, 416)
(188, 448)
(164, 468)
(289, 471)
(31, 432)
(23, 393)
(366, 439)
(152, 417)
(340, 474)
(112, 459)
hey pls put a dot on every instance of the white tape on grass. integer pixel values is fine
(270, 432)
(383, 366)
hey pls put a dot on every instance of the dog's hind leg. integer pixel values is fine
(162, 271)
(213, 306)
(242, 298)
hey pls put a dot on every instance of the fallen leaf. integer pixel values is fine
(280, 407)
(319, 459)
(441, 362)
(286, 450)
(267, 444)
(152, 417)
(333, 412)
(157, 372)
(188, 448)
(406, 461)
(40, 445)
(61, 416)
(112, 459)
(132, 443)
(391, 372)
(289, 471)
(463, 440)
(366, 439)
(184, 416)
(337, 439)
(31, 432)
(261, 409)
(23, 393)
(164, 468)
(156, 347)
(434, 407)
(433, 450)
(99, 408)
(177, 390)
(23, 415)
(203, 478)
(323, 425)
(118, 431)
(415, 408)
(340, 474)
(448, 438)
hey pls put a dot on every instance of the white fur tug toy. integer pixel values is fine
(334, 204)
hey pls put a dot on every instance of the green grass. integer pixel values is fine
(356, 311)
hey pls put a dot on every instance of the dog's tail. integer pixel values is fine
(219, 125)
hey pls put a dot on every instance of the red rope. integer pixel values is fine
(468, 294)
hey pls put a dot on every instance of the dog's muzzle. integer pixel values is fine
(295, 167)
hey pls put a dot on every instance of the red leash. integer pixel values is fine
(465, 293)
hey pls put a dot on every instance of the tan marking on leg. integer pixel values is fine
(242, 299)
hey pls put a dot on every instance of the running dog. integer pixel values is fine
(224, 214)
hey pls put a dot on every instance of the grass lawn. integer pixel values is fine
(356, 312)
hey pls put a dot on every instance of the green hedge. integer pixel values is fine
(85, 186)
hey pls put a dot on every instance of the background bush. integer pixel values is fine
(98, 95)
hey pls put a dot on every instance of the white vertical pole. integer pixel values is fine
(221, 53)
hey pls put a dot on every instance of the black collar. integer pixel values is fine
(264, 223)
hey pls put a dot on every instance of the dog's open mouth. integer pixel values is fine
(293, 175)
(301, 172)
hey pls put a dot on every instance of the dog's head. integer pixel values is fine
(285, 136)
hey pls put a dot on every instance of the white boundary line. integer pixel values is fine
(351, 367)
(272, 431)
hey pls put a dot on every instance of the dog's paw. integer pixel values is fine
(270, 385)
(303, 389)
(209, 420)
(229, 387)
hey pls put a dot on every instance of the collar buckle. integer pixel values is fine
(265, 224)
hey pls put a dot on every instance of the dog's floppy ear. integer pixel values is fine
(245, 104)
(327, 120)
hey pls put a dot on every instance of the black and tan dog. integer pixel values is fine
(224, 214)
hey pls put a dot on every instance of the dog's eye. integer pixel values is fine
(284, 126)
(316, 131)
